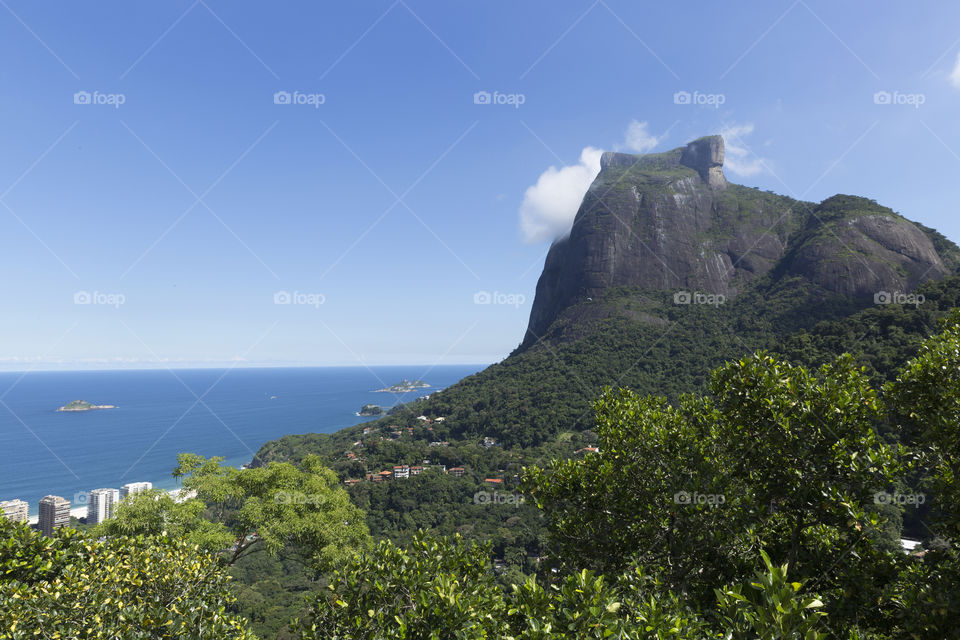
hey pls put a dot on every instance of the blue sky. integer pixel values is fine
(382, 199)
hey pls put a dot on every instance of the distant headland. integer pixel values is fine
(83, 405)
(404, 386)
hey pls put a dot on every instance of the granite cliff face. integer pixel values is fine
(671, 221)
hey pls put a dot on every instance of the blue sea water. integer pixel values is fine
(213, 412)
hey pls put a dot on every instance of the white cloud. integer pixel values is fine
(955, 74)
(638, 139)
(549, 206)
(737, 157)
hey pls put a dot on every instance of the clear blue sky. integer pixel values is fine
(398, 199)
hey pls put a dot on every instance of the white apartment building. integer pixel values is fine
(132, 488)
(101, 504)
(14, 510)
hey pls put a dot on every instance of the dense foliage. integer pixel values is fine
(71, 585)
(444, 588)
(537, 404)
(674, 506)
(271, 507)
(782, 460)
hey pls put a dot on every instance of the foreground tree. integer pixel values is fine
(440, 588)
(778, 459)
(924, 602)
(238, 511)
(71, 585)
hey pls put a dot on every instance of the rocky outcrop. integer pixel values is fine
(671, 221)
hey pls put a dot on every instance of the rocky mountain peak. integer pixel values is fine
(671, 222)
(706, 156)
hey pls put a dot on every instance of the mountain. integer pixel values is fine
(672, 222)
(668, 271)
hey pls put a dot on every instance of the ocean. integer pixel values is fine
(213, 412)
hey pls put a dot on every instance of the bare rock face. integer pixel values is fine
(856, 248)
(706, 156)
(671, 221)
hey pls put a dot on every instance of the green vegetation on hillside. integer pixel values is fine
(768, 506)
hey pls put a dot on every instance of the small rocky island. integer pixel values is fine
(83, 405)
(371, 410)
(404, 386)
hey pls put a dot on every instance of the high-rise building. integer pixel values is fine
(101, 504)
(133, 488)
(14, 510)
(54, 513)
